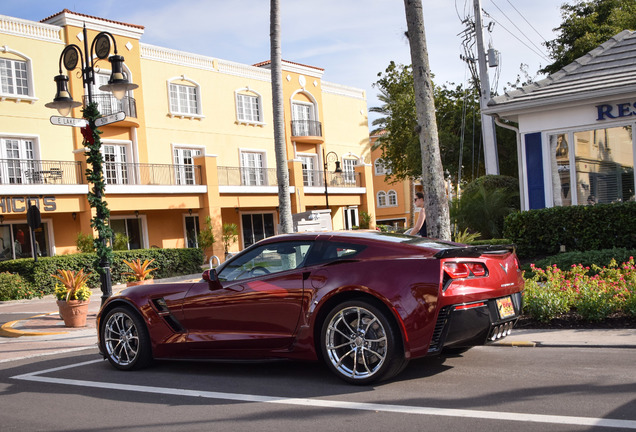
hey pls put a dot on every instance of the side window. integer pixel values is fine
(334, 251)
(267, 259)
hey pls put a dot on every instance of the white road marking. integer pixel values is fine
(322, 403)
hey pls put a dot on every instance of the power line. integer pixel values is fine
(513, 35)
(528, 22)
(515, 25)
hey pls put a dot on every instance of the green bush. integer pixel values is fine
(14, 287)
(170, 262)
(601, 258)
(539, 233)
(485, 203)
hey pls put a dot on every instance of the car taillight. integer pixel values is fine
(458, 270)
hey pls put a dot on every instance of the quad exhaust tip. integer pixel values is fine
(501, 331)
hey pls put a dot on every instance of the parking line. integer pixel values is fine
(323, 403)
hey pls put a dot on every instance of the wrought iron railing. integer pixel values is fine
(151, 174)
(238, 176)
(342, 179)
(108, 104)
(302, 128)
(30, 171)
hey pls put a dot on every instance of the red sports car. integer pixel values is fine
(365, 303)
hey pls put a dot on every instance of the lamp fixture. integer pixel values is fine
(1, 218)
(136, 213)
(118, 83)
(190, 212)
(74, 215)
(62, 102)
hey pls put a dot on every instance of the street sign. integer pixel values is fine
(110, 119)
(68, 121)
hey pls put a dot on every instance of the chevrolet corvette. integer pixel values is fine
(364, 303)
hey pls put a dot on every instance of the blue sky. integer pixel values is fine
(352, 40)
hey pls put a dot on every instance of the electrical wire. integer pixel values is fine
(516, 26)
(528, 22)
(513, 35)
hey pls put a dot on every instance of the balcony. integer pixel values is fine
(108, 104)
(151, 174)
(309, 131)
(236, 176)
(29, 171)
(338, 180)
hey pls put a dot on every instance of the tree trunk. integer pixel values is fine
(435, 200)
(282, 170)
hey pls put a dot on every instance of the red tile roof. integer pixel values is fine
(94, 17)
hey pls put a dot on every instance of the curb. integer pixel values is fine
(7, 330)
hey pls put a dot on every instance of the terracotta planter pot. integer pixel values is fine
(73, 312)
(141, 282)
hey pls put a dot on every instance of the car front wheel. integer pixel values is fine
(125, 339)
(359, 343)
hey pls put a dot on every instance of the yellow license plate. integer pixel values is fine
(505, 307)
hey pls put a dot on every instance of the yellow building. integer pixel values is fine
(393, 201)
(197, 141)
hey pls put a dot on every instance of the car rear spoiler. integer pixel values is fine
(475, 251)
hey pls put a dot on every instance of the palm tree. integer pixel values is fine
(282, 172)
(435, 200)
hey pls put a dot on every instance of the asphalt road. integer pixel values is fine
(487, 388)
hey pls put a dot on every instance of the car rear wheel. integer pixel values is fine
(125, 339)
(359, 343)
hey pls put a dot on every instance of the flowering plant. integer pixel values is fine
(551, 291)
(140, 271)
(73, 285)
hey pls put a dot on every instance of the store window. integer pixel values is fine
(593, 166)
(256, 227)
(128, 232)
(16, 241)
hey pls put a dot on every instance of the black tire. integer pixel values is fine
(125, 340)
(360, 344)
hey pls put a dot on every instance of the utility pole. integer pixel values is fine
(487, 122)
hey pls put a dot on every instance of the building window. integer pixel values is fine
(116, 167)
(185, 97)
(593, 166)
(256, 227)
(15, 241)
(17, 164)
(348, 170)
(311, 176)
(381, 196)
(130, 229)
(253, 169)
(380, 168)
(192, 231)
(184, 165)
(14, 78)
(392, 199)
(249, 106)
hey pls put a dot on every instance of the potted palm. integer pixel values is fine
(140, 273)
(73, 296)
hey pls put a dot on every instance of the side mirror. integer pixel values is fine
(212, 279)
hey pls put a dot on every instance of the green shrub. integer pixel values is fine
(14, 287)
(539, 233)
(545, 296)
(485, 203)
(600, 258)
(170, 262)
(84, 243)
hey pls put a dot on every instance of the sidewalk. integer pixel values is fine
(39, 331)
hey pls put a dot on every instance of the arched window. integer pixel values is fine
(381, 197)
(392, 199)
(185, 97)
(249, 106)
(16, 75)
(379, 167)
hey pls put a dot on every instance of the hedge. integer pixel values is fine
(540, 233)
(169, 262)
(601, 258)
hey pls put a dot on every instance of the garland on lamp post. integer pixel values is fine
(95, 176)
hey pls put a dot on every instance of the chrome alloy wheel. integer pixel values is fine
(121, 339)
(356, 343)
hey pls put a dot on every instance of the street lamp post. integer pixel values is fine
(331, 157)
(118, 84)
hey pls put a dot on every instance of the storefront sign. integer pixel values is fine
(21, 204)
(607, 111)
